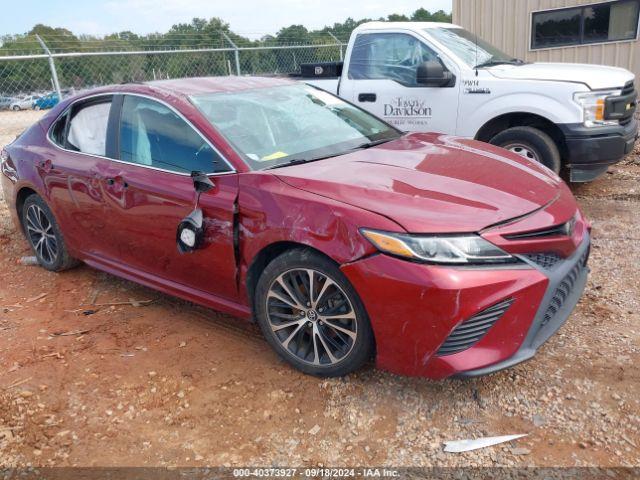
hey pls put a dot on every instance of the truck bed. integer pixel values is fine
(325, 75)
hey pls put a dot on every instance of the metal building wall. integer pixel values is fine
(507, 25)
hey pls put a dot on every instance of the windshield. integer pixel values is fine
(470, 48)
(275, 126)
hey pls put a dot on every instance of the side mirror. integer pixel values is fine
(201, 182)
(434, 74)
(190, 233)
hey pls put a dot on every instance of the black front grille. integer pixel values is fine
(564, 289)
(563, 229)
(621, 107)
(546, 260)
(471, 331)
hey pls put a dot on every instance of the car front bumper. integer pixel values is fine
(566, 284)
(590, 151)
(413, 308)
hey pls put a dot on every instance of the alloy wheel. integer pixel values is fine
(523, 151)
(41, 234)
(311, 317)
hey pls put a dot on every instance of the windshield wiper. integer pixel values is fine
(299, 161)
(491, 63)
(374, 143)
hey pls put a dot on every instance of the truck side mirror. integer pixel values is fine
(190, 235)
(434, 74)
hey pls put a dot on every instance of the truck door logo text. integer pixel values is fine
(401, 107)
(473, 87)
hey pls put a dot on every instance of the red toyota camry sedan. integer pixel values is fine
(343, 237)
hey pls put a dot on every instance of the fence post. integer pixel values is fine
(236, 52)
(338, 42)
(52, 66)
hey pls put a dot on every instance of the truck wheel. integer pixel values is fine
(312, 316)
(530, 143)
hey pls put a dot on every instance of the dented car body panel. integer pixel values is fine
(121, 218)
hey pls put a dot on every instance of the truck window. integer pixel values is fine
(391, 56)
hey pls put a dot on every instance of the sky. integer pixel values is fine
(250, 17)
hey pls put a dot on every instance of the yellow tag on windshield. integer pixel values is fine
(275, 156)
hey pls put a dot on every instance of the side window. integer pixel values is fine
(391, 56)
(154, 135)
(87, 129)
(58, 130)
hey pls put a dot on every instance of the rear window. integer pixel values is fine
(58, 129)
(87, 132)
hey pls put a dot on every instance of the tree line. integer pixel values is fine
(25, 76)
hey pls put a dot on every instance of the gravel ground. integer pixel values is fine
(173, 384)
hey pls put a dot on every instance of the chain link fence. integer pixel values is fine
(33, 83)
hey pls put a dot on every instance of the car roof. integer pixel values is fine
(178, 89)
(405, 25)
(185, 87)
(203, 85)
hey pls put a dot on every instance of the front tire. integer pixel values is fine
(15, 108)
(44, 235)
(530, 143)
(312, 316)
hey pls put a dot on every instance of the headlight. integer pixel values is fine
(593, 107)
(445, 249)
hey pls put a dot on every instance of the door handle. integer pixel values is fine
(367, 97)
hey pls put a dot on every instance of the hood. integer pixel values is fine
(430, 183)
(596, 77)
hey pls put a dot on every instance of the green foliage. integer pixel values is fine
(26, 76)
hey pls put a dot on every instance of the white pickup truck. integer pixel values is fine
(439, 77)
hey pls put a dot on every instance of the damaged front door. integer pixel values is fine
(149, 191)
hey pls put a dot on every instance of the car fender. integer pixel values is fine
(271, 212)
(538, 104)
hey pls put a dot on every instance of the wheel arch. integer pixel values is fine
(523, 119)
(265, 256)
(21, 197)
